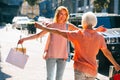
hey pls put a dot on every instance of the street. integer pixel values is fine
(35, 69)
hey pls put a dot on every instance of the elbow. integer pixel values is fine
(65, 35)
(107, 53)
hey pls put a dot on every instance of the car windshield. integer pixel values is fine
(105, 21)
(21, 20)
(109, 21)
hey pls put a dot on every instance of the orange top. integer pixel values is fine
(56, 45)
(87, 44)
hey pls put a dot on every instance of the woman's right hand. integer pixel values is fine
(20, 41)
(44, 55)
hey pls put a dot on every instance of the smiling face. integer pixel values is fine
(61, 15)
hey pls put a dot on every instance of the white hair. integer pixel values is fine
(89, 18)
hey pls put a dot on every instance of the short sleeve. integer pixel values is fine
(102, 43)
(72, 35)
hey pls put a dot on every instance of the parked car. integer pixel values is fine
(112, 37)
(20, 22)
(23, 22)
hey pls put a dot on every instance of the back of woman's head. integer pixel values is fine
(89, 19)
(58, 11)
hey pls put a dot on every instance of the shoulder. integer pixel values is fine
(100, 36)
(72, 27)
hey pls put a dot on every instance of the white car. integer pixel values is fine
(21, 22)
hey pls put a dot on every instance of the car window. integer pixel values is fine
(105, 21)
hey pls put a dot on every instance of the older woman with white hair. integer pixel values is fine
(87, 43)
(89, 20)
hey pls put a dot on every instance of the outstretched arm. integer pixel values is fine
(32, 37)
(52, 30)
(108, 54)
(101, 29)
(35, 36)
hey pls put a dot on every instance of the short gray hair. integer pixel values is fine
(89, 18)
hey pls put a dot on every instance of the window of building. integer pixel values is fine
(80, 3)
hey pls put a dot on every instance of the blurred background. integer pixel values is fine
(34, 8)
(20, 15)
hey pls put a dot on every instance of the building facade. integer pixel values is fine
(77, 6)
(87, 5)
(11, 8)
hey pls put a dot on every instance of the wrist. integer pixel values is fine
(45, 51)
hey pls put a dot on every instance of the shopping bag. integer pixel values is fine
(116, 76)
(17, 58)
(23, 50)
(113, 74)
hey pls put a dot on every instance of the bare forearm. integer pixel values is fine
(110, 57)
(52, 30)
(56, 31)
(32, 37)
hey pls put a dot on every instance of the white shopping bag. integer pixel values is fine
(17, 58)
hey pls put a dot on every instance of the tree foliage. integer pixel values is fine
(100, 4)
(32, 4)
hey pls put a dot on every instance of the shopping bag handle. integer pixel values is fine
(22, 48)
(21, 45)
(118, 72)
